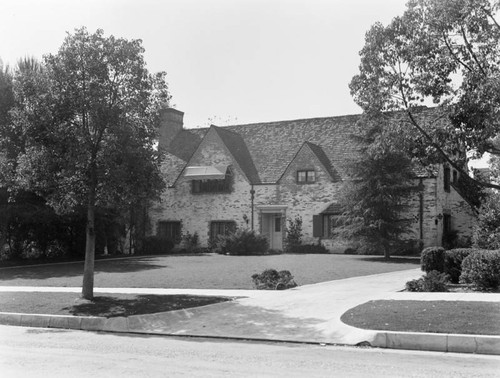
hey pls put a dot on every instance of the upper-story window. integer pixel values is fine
(306, 176)
(210, 179)
(447, 179)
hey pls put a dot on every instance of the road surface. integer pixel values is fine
(38, 352)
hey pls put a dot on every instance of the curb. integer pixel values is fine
(436, 342)
(453, 343)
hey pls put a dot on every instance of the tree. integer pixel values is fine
(6, 104)
(374, 197)
(88, 116)
(444, 52)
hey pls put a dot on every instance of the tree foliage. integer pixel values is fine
(486, 233)
(85, 126)
(374, 198)
(440, 52)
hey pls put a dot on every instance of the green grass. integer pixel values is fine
(112, 305)
(459, 317)
(203, 271)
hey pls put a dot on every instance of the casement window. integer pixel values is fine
(306, 176)
(323, 225)
(447, 173)
(221, 228)
(215, 185)
(170, 230)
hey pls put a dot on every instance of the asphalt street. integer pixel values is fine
(39, 352)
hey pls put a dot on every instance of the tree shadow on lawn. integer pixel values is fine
(76, 269)
(110, 307)
(413, 260)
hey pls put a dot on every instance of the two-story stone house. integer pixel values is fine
(259, 175)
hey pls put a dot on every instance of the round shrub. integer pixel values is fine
(453, 262)
(432, 258)
(271, 279)
(433, 281)
(482, 269)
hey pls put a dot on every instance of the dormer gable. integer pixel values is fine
(308, 165)
(221, 148)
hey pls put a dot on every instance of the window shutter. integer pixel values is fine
(317, 226)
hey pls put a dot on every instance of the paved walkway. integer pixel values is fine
(308, 313)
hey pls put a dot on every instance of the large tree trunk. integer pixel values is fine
(88, 270)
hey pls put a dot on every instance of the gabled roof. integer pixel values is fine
(237, 147)
(320, 154)
(184, 144)
(265, 150)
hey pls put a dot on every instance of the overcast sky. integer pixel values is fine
(239, 60)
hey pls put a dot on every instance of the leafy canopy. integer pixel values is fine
(440, 52)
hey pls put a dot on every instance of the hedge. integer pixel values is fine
(453, 262)
(432, 258)
(482, 269)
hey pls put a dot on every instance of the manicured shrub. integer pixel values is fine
(308, 249)
(453, 262)
(190, 243)
(241, 242)
(271, 279)
(293, 238)
(156, 245)
(432, 258)
(482, 270)
(433, 281)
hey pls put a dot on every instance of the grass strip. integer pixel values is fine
(459, 317)
(112, 305)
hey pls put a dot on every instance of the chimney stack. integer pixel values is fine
(171, 121)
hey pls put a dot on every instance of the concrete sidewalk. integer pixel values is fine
(308, 313)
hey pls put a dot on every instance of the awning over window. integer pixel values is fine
(206, 173)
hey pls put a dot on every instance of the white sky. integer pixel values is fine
(243, 60)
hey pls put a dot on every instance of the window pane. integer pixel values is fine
(277, 224)
(301, 176)
(311, 176)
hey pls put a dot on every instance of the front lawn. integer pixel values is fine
(203, 271)
(111, 305)
(480, 318)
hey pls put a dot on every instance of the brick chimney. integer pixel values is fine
(171, 121)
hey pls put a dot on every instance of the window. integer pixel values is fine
(447, 173)
(306, 176)
(170, 230)
(213, 185)
(323, 225)
(277, 224)
(455, 176)
(221, 228)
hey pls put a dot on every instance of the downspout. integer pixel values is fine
(252, 196)
(421, 211)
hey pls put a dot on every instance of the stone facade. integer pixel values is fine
(264, 161)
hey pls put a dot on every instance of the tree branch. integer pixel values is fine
(455, 55)
(445, 156)
(469, 48)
